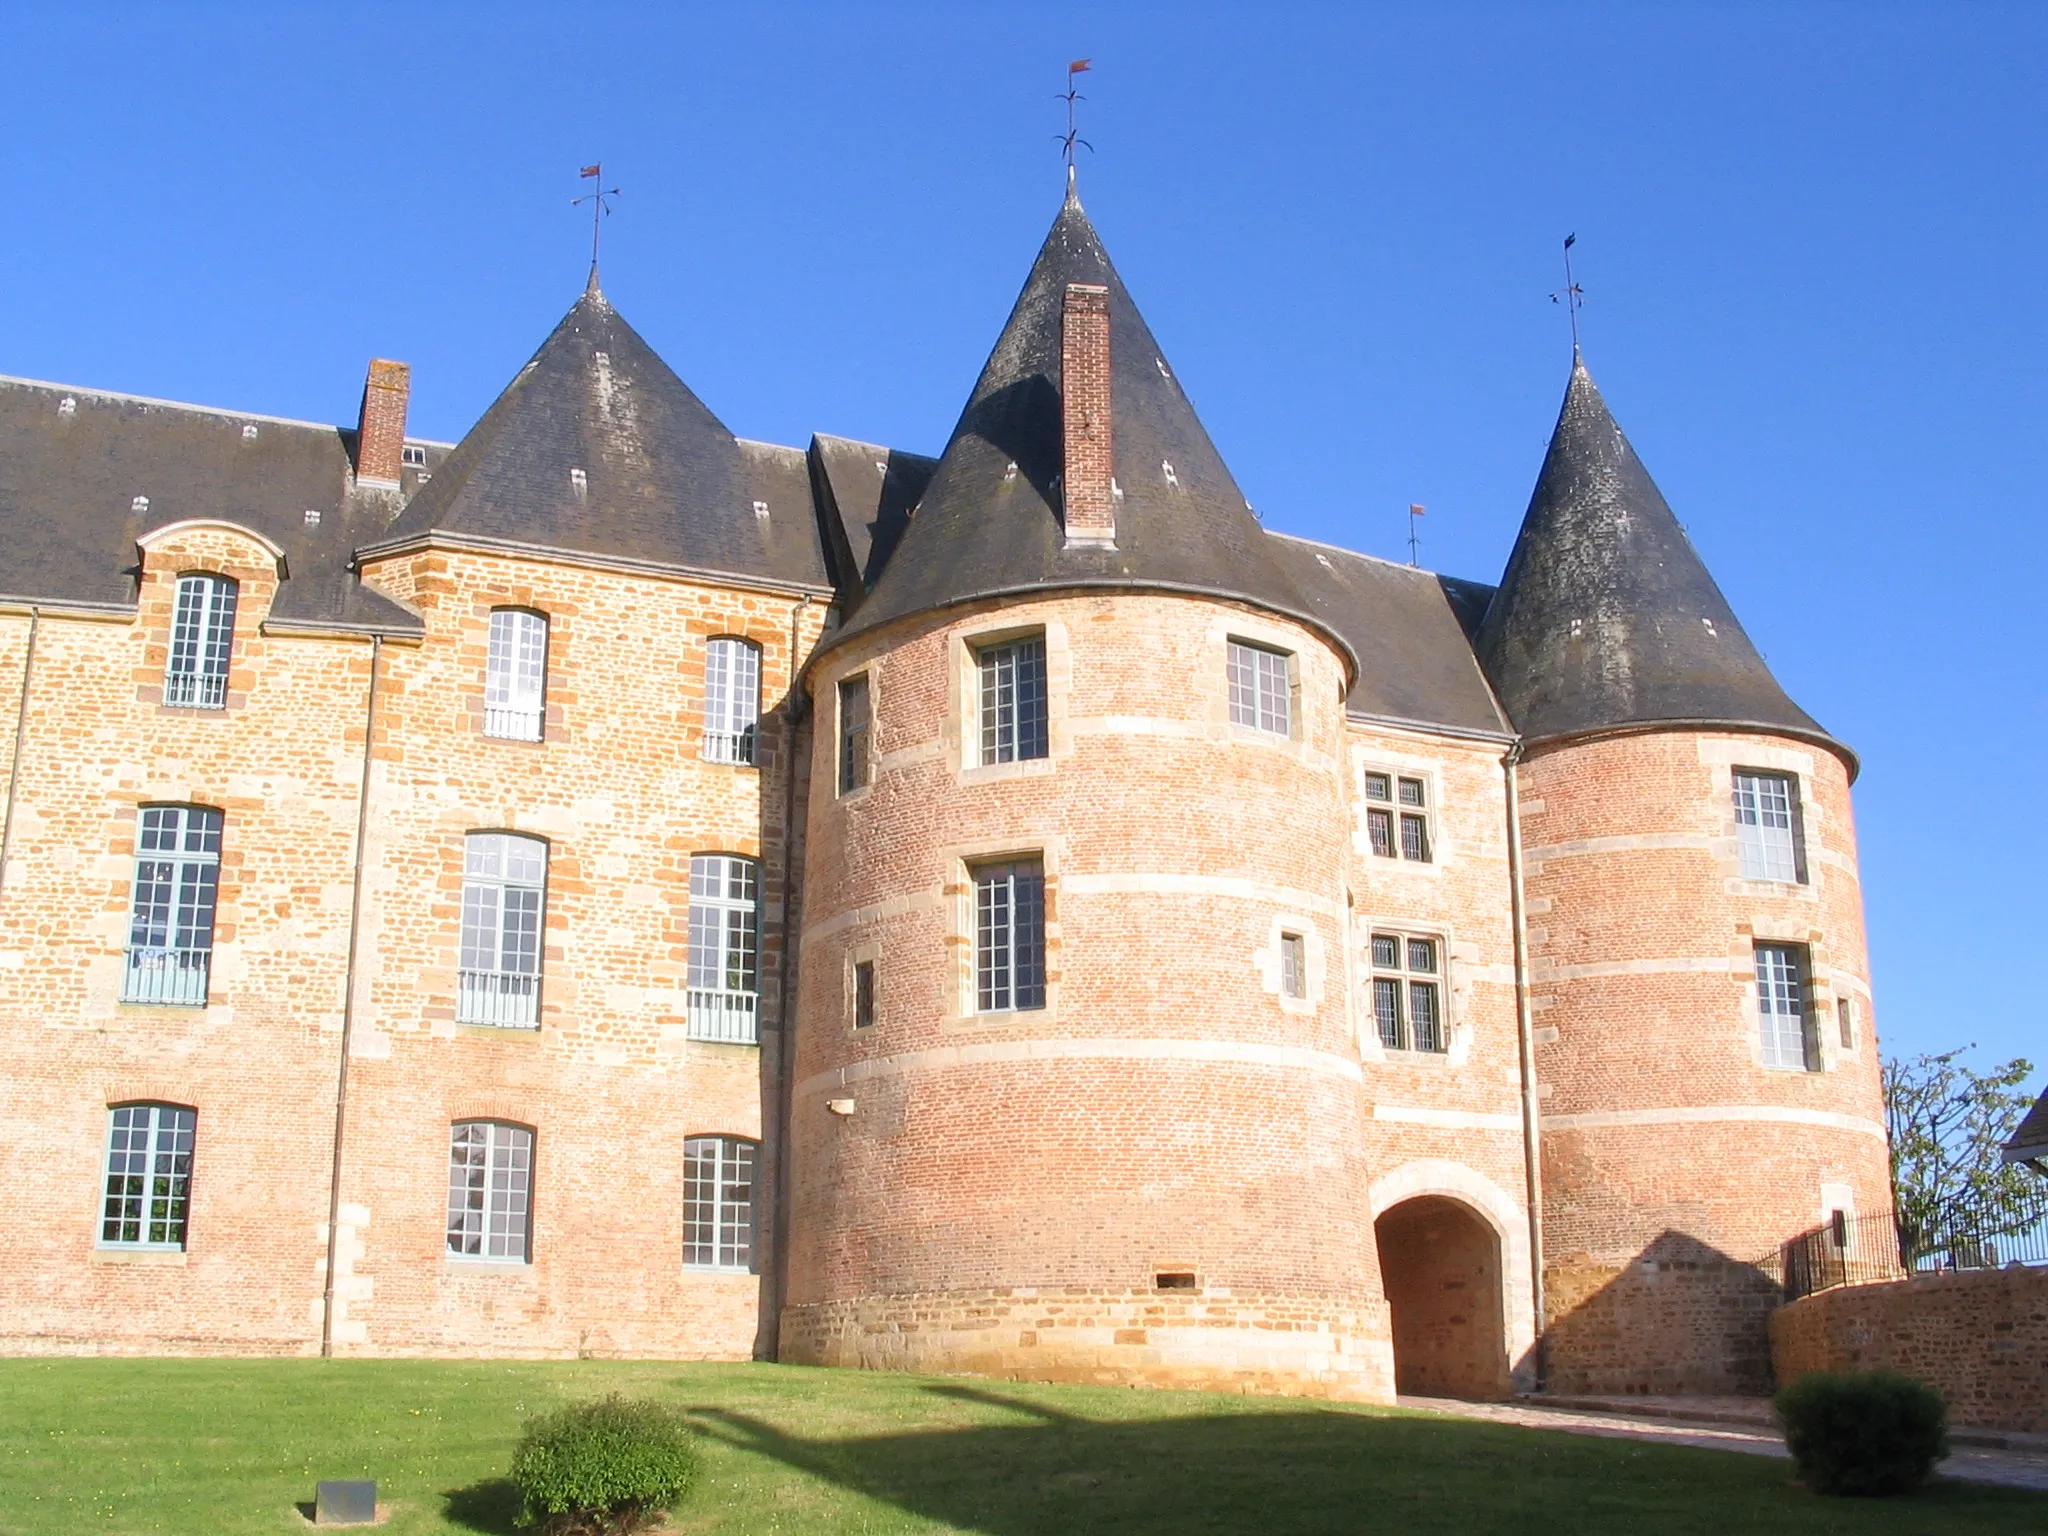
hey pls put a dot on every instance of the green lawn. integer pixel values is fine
(228, 1447)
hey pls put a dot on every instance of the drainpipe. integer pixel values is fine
(786, 975)
(348, 1006)
(28, 667)
(1532, 1129)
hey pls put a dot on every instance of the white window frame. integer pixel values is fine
(856, 723)
(516, 674)
(1397, 978)
(1009, 936)
(1787, 1039)
(504, 929)
(722, 998)
(1769, 838)
(1293, 965)
(1261, 685)
(155, 1197)
(1013, 701)
(490, 1191)
(732, 700)
(718, 1225)
(171, 905)
(202, 641)
(1399, 822)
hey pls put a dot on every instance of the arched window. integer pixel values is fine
(516, 674)
(490, 1190)
(732, 700)
(148, 1177)
(504, 907)
(202, 640)
(718, 1203)
(723, 1000)
(170, 914)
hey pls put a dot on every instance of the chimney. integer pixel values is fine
(1084, 407)
(380, 433)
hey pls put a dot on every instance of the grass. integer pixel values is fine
(227, 1448)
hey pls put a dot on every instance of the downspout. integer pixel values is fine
(1532, 1128)
(786, 976)
(348, 1006)
(28, 668)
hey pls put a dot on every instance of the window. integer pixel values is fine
(1009, 937)
(202, 639)
(723, 1001)
(1767, 826)
(1845, 1015)
(1407, 995)
(863, 993)
(504, 884)
(1293, 966)
(853, 734)
(170, 923)
(516, 674)
(718, 1203)
(1788, 1038)
(1013, 700)
(732, 700)
(413, 456)
(1259, 688)
(149, 1176)
(1394, 802)
(490, 1190)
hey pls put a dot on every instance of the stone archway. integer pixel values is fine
(1440, 1263)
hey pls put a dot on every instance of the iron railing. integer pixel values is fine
(730, 746)
(176, 976)
(1857, 1250)
(512, 722)
(732, 1017)
(503, 998)
(196, 690)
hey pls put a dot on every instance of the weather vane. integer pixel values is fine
(1072, 137)
(1572, 296)
(598, 209)
(1415, 510)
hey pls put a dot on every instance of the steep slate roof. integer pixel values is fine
(990, 521)
(2029, 1143)
(665, 484)
(1607, 616)
(865, 493)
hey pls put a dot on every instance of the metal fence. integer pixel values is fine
(732, 1017)
(505, 999)
(1858, 1250)
(157, 975)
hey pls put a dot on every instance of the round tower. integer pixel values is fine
(1698, 979)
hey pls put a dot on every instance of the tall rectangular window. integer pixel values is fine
(504, 893)
(723, 1000)
(1259, 688)
(170, 922)
(1013, 717)
(149, 1176)
(202, 642)
(1845, 1010)
(1009, 937)
(732, 700)
(1407, 993)
(718, 1203)
(1293, 966)
(490, 1190)
(863, 994)
(1782, 1013)
(1767, 826)
(1397, 816)
(515, 675)
(853, 733)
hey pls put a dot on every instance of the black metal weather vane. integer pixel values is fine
(1571, 295)
(599, 208)
(1072, 136)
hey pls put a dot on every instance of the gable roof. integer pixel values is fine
(865, 493)
(2029, 1144)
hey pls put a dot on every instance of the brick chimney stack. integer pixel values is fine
(1084, 404)
(380, 432)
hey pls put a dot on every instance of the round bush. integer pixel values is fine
(603, 1468)
(1863, 1432)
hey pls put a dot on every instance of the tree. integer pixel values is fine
(1948, 1124)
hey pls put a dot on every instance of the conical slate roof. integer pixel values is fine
(597, 448)
(990, 522)
(1607, 617)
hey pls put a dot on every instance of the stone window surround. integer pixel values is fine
(165, 555)
(1453, 994)
(1375, 757)
(1822, 982)
(869, 674)
(868, 953)
(957, 865)
(1268, 964)
(1721, 757)
(964, 643)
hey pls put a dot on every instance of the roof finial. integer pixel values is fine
(1572, 296)
(1072, 137)
(1415, 510)
(598, 209)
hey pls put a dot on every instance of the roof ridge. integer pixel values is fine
(186, 405)
(1359, 554)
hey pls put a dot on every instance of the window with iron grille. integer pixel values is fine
(723, 1001)
(504, 899)
(1767, 830)
(202, 641)
(1789, 1039)
(1293, 965)
(1407, 993)
(170, 920)
(863, 993)
(853, 733)
(718, 1203)
(148, 1176)
(1009, 936)
(1260, 689)
(1397, 816)
(490, 1190)
(732, 700)
(1013, 718)
(515, 674)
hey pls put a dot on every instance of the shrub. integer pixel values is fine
(1863, 1432)
(603, 1468)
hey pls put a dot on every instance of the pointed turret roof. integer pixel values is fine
(597, 448)
(990, 525)
(1607, 616)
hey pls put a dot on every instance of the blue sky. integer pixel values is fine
(1811, 239)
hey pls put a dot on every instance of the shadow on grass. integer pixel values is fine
(491, 1506)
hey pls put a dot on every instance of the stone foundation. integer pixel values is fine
(1679, 1321)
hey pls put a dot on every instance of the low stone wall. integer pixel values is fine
(1979, 1336)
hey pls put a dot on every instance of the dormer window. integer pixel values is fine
(413, 456)
(202, 641)
(732, 700)
(515, 674)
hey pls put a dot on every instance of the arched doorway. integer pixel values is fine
(1440, 1264)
